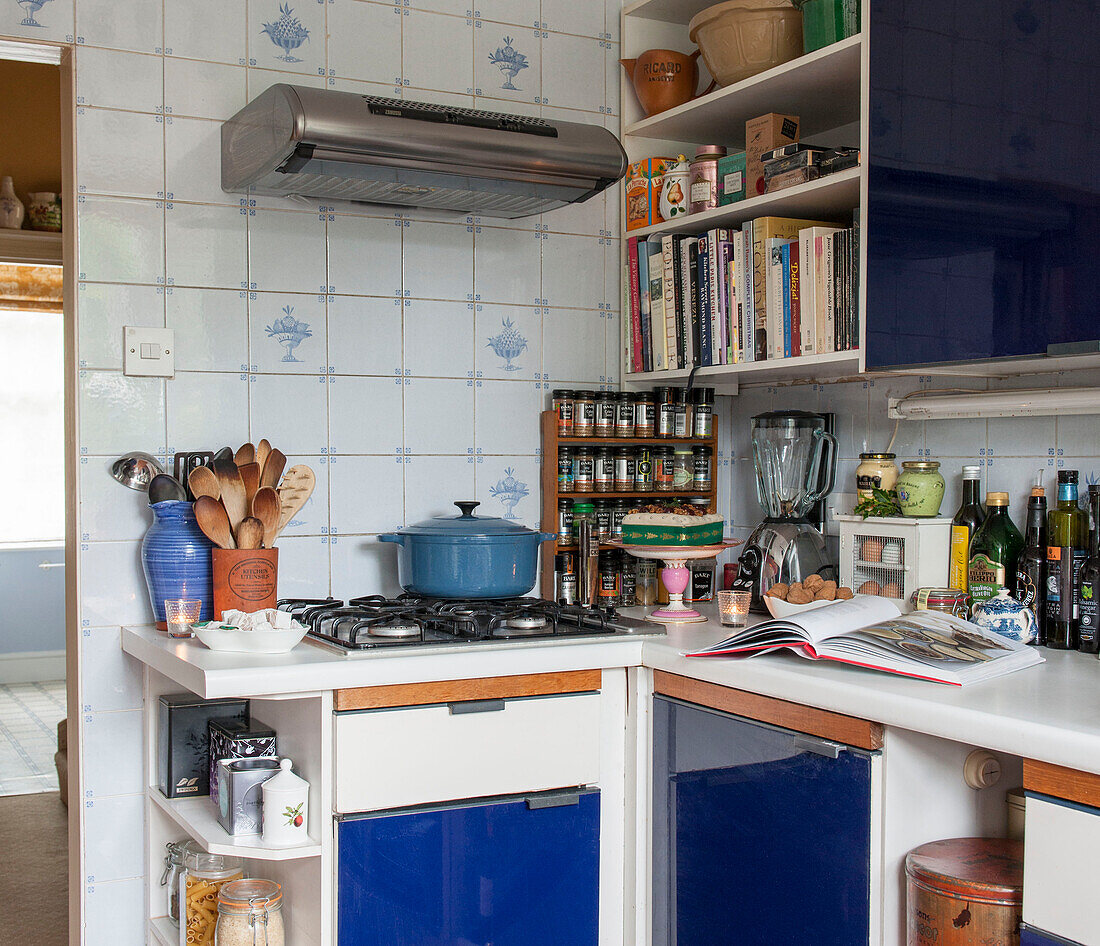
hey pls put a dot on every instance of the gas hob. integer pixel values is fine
(367, 624)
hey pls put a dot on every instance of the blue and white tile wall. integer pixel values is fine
(403, 356)
(1011, 451)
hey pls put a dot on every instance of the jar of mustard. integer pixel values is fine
(875, 471)
(920, 488)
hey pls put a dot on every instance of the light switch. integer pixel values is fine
(148, 352)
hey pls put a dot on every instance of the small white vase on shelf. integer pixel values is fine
(11, 207)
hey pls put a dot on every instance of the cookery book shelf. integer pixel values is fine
(548, 422)
(827, 90)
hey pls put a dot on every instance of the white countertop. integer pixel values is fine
(1050, 712)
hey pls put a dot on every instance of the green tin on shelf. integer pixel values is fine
(825, 22)
(706, 533)
(731, 178)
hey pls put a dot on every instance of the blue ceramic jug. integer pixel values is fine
(175, 556)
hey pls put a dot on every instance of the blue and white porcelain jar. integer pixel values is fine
(1007, 617)
(175, 556)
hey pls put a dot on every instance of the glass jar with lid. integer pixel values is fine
(565, 469)
(875, 471)
(702, 412)
(700, 466)
(681, 413)
(606, 411)
(582, 512)
(604, 508)
(624, 469)
(250, 913)
(643, 470)
(584, 413)
(645, 415)
(624, 417)
(201, 882)
(604, 470)
(664, 399)
(563, 407)
(683, 469)
(173, 870)
(920, 488)
(663, 469)
(583, 469)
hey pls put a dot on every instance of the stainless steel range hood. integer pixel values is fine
(319, 143)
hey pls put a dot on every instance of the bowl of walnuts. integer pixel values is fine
(812, 592)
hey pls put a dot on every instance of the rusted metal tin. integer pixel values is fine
(964, 892)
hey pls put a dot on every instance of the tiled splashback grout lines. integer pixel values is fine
(395, 426)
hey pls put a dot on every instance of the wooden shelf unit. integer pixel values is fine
(827, 90)
(548, 422)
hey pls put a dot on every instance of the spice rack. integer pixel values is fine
(551, 494)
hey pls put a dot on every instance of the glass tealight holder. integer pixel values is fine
(180, 614)
(733, 607)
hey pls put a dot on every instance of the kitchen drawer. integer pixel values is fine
(1061, 864)
(392, 758)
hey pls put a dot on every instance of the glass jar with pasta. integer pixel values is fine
(203, 877)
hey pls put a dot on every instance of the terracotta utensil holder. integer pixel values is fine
(664, 78)
(244, 579)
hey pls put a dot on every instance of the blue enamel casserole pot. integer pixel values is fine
(467, 556)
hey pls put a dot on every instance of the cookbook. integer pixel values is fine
(868, 631)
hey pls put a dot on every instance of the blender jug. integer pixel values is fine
(795, 461)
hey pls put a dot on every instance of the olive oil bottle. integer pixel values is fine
(1088, 584)
(1067, 538)
(994, 551)
(963, 526)
(1031, 566)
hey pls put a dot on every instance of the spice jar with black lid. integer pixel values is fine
(628, 588)
(700, 465)
(702, 412)
(664, 399)
(618, 513)
(605, 414)
(563, 407)
(624, 417)
(604, 475)
(603, 519)
(565, 578)
(565, 521)
(645, 414)
(565, 469)
(624, 469)
(608, 562)
(664, 469)
(584, 413)
(643, 470)
(583, 470)
(681, 413)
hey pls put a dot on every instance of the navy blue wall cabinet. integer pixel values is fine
(516, 872)
(983, 208)
(761, 835)
(1029, 936)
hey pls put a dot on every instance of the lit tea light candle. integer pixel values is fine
(733, 607)
(180, 614)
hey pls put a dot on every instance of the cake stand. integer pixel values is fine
(675, 575)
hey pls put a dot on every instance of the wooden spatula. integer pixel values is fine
(250, 476)
(250, 533)
(265, 507)
(273, 469)
(296, 488)
(263, 448)
(214, 522)
(246, 453)
(203, 482)
(232, 487)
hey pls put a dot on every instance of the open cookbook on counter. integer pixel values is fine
(869, 631)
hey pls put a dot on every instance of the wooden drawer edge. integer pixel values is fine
(850, 730)
(1046, 778)
(457, 691)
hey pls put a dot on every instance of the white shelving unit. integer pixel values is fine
(36, 247)
(827, 89)
(303, 726)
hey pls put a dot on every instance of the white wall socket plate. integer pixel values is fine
(148, 352)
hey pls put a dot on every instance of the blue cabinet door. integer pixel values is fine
(759, 838)
(983, 223)
(511, 873)
(1030, 936)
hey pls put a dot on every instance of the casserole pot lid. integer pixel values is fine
(467, 525)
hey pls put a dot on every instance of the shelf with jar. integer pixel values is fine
(670, 460)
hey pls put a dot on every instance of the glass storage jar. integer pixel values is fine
(646, 582)
(582, 512)
(920, 488)
(663, 469)
(683, 469)
(563, 407)
(605, 414)
(250, 913)
(201, 882)
(875, 471)
(565, 470)
(604, 470)
(700, 464)
(173, 868)
(664, 399)
(584, 413)
(624, 469)
(624, 417)
(702, 405)
(643, 470)
(645, 415)
(583, 470)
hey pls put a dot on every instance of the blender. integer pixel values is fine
(795, 460)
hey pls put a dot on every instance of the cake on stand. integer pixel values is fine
(675, 575)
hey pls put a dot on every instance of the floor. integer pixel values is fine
(29, 714)
(34, 871)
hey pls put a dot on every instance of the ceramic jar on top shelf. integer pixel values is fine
(11, 207)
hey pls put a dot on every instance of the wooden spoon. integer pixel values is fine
(245, 454)
(232, 487)
(263, 448)
(265, 507)
(214, 522)
(203, 482)
(250, 533)
(250, 476)
(296, 488)
(273, 468)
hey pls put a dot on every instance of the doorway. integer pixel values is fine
(33, 537)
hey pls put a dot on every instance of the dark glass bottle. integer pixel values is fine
(1088, 584)
(994, 551)
(964, 525)
(1067, 538)
(1031, 567)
